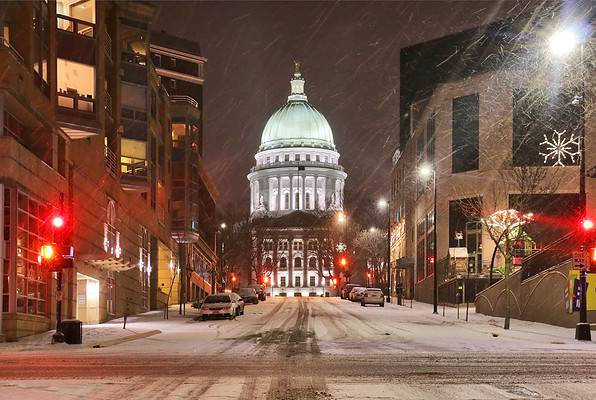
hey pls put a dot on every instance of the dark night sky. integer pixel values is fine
(350, 60)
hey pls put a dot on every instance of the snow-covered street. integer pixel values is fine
(307, 349)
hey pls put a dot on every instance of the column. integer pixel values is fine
(252, 194)
(278, 192)
(291, 192)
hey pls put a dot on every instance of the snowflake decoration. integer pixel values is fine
(560, 148)
(341, 247)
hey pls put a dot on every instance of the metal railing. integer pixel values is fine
(14, 51)
(133, 167)
(108, 101)
(111, 161)
(108, 45)
(75, 101)
(282, 164)
(184, 99)
(134, 58)
(74, 25)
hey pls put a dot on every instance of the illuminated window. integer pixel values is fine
(31, 281)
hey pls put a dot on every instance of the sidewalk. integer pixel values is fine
(106, 334)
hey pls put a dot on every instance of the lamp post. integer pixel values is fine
(218, 256)
(561, 43)
(385, 204)
(425, 172)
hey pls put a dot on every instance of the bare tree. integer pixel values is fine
(370, 246)
(514, 188)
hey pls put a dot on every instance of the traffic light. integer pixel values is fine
(587, 225)
(266, 280)
(53, 257)
(343, 261)
(58, 222)
(592, 259)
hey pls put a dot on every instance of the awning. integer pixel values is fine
(198, 281)
(107, 262)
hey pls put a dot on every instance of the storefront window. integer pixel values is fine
(31, 281)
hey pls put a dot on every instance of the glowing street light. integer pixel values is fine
(425, 171)
(223, 225)
(58, 222)
(372, 229)
(562, 42)
(341, 218)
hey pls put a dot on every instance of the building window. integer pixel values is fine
(318, 158)
(276, 158)
(308, 157)
(465, 133)
(268, 160)
(420, 249)
(31, 280)
(312, 263)
(312, 280)
(326, 159)
(172, 84)
(297, 281)
(430, 243)
(307, 201)
(282, 281)
(296, 157)
(297, 200)
(173, 62)
(287, 157)
(157, 60)
(540, 114)
(286, 201)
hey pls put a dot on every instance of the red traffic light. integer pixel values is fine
(47, 252)
(431, 259)
(58, 222)
(266, 279)
(587, 224)
(343, 261)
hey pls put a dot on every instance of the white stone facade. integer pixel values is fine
(296, 170)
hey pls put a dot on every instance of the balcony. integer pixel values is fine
(11, 49)
(76, 114)
(296, 164)
(76, 40)
(184, 100)
(134, 173)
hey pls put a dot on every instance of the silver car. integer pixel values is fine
(372, 296)
(222, 305)
(356, 293)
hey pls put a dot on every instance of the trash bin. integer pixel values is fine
(72, 330)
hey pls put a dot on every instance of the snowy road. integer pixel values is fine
(314, 348)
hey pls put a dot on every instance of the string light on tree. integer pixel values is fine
(560, 148)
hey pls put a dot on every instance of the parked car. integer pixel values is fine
(261, 294)
(222, 305)
(357, 293)
(345, 291)
(249, 295)
(373, 296)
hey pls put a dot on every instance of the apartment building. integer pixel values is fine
(482, 108)
(85, 131)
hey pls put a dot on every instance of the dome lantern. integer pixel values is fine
(297, 123)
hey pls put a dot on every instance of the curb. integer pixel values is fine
(113, 342)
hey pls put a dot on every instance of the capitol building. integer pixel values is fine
(296, 187)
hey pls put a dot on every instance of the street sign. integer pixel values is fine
(579, 259)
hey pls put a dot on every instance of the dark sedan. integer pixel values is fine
(249, 295)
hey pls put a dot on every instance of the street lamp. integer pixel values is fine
(561, 44)
(384, 204)
(426, 171)
(372, 229)
(218, 257)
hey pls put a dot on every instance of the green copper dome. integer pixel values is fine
(297, 123)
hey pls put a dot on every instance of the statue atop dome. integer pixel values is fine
(297, 68)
